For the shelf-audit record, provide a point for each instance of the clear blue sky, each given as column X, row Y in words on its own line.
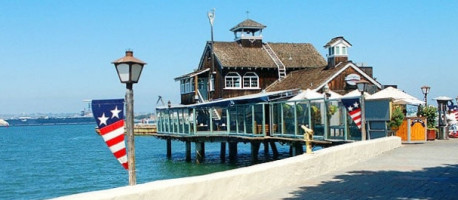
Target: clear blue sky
column 54, row 54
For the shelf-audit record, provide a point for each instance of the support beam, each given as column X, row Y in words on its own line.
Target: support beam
column 266, row 148
column 169, row 148
column 254, row 151
column 232, row 151
column 223, row 152
column 200, row 152
column 188, row 151
column 296, row 149
column 274, row 150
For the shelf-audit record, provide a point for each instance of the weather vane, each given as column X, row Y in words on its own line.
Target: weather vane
column 211, row 16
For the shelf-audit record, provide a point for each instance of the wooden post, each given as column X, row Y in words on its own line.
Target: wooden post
column 232, row 151
column 200, row 152
column 130, row 133
column 169, row 148
column 223, row 152
column 254, row 151
column 274, row 150
column 266, row 148
column 188, row 151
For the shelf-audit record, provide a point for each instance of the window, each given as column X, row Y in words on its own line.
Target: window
column 250, row 80
column 212, row 83
column 182, row 86
column 232, row 80
column 344, row 50
column 337, row 50
column 186, row 88
column 330, row 51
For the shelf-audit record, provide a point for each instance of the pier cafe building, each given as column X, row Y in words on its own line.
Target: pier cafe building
column 250, row 88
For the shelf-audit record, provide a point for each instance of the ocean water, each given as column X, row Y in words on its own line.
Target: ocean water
column 40, row 162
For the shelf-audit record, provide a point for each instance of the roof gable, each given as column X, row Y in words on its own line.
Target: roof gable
column 316, row 78
column 337, row 40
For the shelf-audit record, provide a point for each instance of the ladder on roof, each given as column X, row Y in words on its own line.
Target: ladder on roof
column 281, row 67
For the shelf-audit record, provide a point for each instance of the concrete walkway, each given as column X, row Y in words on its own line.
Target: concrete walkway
column 413, row 171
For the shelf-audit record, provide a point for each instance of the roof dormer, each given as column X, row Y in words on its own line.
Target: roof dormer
column 337, row 51
column 248, row 33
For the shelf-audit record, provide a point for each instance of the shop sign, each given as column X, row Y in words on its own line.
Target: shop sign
column 351, row 79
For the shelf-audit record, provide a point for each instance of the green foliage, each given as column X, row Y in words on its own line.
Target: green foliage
column 396, row 119
column 430, row 113
column 316, row 115
column 332, row 109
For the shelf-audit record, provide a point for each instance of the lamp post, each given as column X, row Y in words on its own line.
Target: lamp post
column 327, row 94
column 456, row 100
column 129, row 70
column 425, row 90
column 361, row 88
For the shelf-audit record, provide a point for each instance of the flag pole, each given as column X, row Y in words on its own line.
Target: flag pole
column 130, row 132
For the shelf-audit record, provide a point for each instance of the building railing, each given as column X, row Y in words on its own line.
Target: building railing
column 327, row 118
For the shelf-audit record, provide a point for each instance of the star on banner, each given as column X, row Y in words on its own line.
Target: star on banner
column 354, row 110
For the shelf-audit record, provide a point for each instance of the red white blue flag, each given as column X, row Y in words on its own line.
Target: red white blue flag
column 454, row 110
column 109, row 116
column 354, row 109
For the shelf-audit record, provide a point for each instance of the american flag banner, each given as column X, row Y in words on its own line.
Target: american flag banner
column 454, row 110
column 109, row 116
column 354, row 109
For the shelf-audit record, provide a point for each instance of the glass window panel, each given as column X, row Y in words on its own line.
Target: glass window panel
column 123, row 72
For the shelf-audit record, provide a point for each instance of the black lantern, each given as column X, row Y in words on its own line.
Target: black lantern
column 129, row 68
column 425, row 90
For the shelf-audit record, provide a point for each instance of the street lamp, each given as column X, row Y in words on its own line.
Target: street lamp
column 326, row 95
column 129, row 70
column 456, row 100
column 361, row 88
column 425, row 90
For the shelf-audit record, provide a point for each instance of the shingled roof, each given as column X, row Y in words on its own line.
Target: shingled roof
column 333, row 40
column 248, row 24
column 305, row 78
column 293, row 55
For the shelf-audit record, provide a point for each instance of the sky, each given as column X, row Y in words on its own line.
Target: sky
column 55, row 54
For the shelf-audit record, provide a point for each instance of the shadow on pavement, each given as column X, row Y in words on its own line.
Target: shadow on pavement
column 429, row 183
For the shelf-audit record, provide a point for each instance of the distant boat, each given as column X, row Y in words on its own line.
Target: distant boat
column 4, row 123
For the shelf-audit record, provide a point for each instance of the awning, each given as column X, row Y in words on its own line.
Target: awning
column 192, row 74
column 247, row 99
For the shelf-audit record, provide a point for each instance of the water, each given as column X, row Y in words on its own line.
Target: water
column 39, row 162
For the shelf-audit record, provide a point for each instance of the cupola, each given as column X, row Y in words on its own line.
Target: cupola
column 248, row 33
column 337, row 51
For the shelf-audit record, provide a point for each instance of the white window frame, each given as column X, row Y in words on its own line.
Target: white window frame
column 252, row 78
column 232, row 77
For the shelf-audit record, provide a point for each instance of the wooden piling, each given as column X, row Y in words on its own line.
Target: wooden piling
column 223, row 152
column 254, row 151
column 169, row 148
column 232, row 151
column 266, row 148
column 200, row 152
column 188, row 151
column 274, row 150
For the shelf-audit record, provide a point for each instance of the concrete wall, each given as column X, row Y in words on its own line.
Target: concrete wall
column 243, row 182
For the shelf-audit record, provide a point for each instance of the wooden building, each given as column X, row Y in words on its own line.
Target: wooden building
column 249, row 65
column 244, row 66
